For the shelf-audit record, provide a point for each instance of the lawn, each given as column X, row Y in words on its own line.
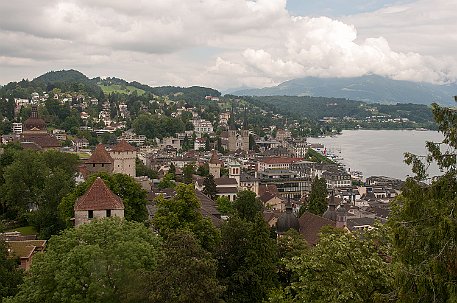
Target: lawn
column 121, row 89
column 25, row 230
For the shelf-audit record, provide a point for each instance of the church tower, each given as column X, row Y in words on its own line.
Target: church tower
column 235, row 171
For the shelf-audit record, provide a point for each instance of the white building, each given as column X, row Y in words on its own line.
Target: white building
column 202, row 126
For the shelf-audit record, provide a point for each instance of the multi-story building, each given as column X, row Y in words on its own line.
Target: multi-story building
column 202, row 126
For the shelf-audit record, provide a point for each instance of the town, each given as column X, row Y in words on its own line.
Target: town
column 187, row 160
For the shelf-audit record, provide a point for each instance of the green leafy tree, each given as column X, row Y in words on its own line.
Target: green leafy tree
column 317, row 203
column 224, row 206
column 167, row 181
column 291, row 244
column 423, row 221
column 34, row 184
column 344, row 267
column 209, row 187
column 247, row 260
column 97, row 262
column 172, row 171
column 143, row 170
column 183, row 212
column 188, row 172
column 203, row 170
column 10, row 276
column 131, row 193
column 247, row 206
column 185, row 272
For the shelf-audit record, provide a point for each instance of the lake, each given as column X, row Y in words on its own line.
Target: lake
column 379, row 152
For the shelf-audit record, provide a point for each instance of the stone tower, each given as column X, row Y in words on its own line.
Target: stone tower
column 215, row 165
column 124, row 158
column 99, row 161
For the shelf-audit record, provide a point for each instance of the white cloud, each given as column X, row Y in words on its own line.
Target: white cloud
column 258, row 43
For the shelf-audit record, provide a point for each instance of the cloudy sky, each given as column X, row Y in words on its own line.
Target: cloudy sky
column 229, row 43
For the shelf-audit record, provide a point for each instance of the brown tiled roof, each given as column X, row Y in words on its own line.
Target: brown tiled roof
column 263, row 188
column 310, row 226
column 99, row 197
column 225, row 181
column 267, row 196
column 31, row 146
column 214, row 158
column 42, row 140
column 100, row 156
column 276, row 160
column 227, row 190
column 36, row 123
column 123, row 146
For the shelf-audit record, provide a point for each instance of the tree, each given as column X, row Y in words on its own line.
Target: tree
column 247, row 260
column 318, row 197
column 291, row 244
column 183, row 212
column 188, row 171
column 344, row 267
column 209, row 186
column 224, row 206
column 131, row 193
column 185, row 272
column 172, row 171
column 10, row 276
column 203, row 170
column 34, row 184
column 167, row 181
column 423, row 221
column 97, row 262
column 143, row 170
column 247, row 206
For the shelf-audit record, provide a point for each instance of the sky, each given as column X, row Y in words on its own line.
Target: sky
column 229, row 43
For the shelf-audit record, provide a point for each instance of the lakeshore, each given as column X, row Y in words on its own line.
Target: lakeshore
column 379, row 152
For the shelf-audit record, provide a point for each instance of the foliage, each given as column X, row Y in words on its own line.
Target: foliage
column 424, row 224
column 34, row 184
column 317, row 157
column 97, row 262
column 143, row 170
column 154, row 126
column 10, row 275
column 317, row 203
column 290, row 244
column 131, row 193
column 203, row 170
column 247, row 260
column 185, row 272
column 209, row 187
column 167, row 181
column 247, row 206
column 188, row 171
column 182, row 212
column 343, row 267
column 224, row 206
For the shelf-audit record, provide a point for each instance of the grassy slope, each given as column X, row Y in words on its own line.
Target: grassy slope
column 115, row 88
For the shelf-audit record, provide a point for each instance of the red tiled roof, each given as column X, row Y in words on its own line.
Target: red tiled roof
column 99, row 197
column 123, row 146
column 276, row 160
column 100, row 156
column 311, row 225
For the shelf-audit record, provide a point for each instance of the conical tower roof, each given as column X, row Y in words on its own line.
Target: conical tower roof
column 99, row 197
column 123, row 146
column 100, row 156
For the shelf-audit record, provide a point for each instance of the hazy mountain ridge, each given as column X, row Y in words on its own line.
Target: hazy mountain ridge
column 370, row 88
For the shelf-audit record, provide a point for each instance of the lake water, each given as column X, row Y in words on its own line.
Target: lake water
column 380, row 152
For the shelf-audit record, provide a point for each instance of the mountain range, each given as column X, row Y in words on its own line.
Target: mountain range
column 370, row 88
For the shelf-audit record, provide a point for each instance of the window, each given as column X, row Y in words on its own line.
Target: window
column 108, row 213
column 90, row 214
